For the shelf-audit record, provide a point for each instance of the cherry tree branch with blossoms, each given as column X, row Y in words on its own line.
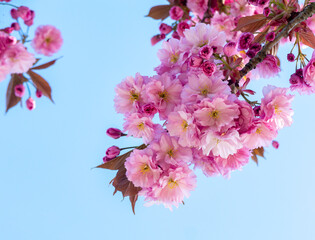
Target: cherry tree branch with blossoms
column 211, row 53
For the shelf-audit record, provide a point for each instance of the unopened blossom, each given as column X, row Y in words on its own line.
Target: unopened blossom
column 206, row 52
column 181, row 27
column 114, row 133
column 112, row 152
column 276, row 106
column 165, row 29
column 245, row 40
column 38, row 93
column 141, row 168
column 140, row 127
column 47, row 40
column 19, row 90
column 181, row 124
column 30, row 104
column 176, row 13
column 168, row 149
column 209, row 68
column 275, row 144
column 270, row 36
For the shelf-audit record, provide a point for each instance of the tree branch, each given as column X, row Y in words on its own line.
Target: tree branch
column 307, row 12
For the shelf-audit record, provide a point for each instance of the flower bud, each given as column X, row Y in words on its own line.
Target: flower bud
column 39, row 93
column 209, row 68
column 112, row 152
column 206, row 52
column 19, row 90
column 114, row 133
column 271, row 36
column 30, row 104
column 275, row 144
column 290, row 57
column 176, row 13
column 15, row 26
column 165, row 29
column 14, row 13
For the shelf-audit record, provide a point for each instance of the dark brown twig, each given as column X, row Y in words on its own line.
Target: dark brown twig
column 307, row 12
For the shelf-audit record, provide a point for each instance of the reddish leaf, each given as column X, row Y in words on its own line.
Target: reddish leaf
column 45, row 65
column 11, row 99
column 41, row 84
column 257, row 152
column 260, row 37
column 307, row 37
column 159, row 12
column 120, row 181
column 251, row 23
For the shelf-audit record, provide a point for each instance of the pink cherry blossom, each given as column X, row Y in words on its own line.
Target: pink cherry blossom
column 141, row 168
column 221, row 144
column 261, row 134
column 276, row 106
column 175, row 185
column 202, row 86
column 181, row 124
column 169, row 150
column 129, row 94
column 139, row 127
column 216, row 113
column 198, row 7
column 47, row 40
column 164, row 92
column 309, row 72
column 18, row 58
column 267, row 68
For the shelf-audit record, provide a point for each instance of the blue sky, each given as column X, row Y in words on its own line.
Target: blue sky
column 48, row 190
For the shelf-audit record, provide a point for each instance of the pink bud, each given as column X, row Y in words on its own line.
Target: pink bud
column 257, row 111
column 106, row 159
column 30, row 104
column 291, row 57
column 209, row 68
column 176, row 13
column 165, row 29
column 206, row 52
column 175, row 35
column 271, row 36
column 8, row 30
column 230, row 49
column 155, row 39
column 112, row 152
column 114, row 133
column 14, row 13
column 23, row 12
column 181, row 27
column 19, row 90
column 15, row 26
column 266, row 11
column 39, row 93
column 195, row 61
column 275, row 144
column 149, row 109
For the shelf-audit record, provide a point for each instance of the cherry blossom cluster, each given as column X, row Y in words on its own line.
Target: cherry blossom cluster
column 195, row 113
column 15, row 57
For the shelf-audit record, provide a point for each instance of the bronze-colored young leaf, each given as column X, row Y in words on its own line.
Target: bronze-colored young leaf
column 120, row 181
column 251, row 23
column 273, row 51
column 260, row 37
column 307, row 37
column 159, row 12
column 257, row 152
column 41, row 84
column 45, row 65
column 11, row 99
